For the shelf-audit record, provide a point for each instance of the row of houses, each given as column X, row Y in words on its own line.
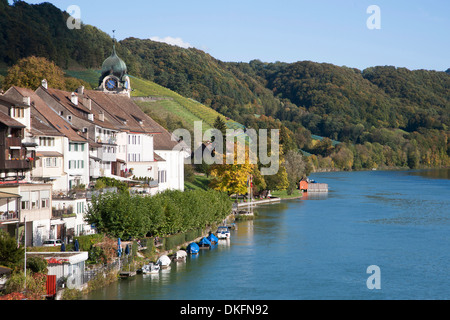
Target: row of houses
column 54, row 144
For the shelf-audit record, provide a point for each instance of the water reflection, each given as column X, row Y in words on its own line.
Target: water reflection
column 320, row 249
column 314, row 196
column 431, row 173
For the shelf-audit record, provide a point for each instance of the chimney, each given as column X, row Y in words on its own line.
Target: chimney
column 87, row 102
column 101, row 116
column 80, row 90
column 27, row 100
column 44, row 83
column 74, row 98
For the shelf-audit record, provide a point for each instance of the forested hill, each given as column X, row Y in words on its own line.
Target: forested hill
column 386, row 116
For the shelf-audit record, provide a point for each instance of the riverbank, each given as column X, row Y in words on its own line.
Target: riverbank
column 390, row 230
column 134, row 263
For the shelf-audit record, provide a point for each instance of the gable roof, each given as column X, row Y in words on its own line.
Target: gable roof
column 11, row 101
column 10, row 122
column 123, row 107
column 64, row 99
column 124, row 111
column 50, row 115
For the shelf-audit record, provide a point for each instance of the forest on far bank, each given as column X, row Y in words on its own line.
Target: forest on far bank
column 338, row 117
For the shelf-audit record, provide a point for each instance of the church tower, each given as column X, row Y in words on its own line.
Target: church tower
column 114, row 78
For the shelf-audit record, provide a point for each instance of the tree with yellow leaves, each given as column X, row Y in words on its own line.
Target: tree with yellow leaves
column 29, row 72
column 232, row 177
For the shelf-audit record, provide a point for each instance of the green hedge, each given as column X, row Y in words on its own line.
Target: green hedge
column 168, row 213
column 86, row 242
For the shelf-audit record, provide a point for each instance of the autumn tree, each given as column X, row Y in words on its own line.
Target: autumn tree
column 343, row 158
column 232, row 178
column 29, row 73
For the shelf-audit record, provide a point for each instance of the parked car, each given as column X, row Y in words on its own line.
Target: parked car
column 52, row 243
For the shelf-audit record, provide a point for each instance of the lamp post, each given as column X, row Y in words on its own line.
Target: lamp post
column 25, row 246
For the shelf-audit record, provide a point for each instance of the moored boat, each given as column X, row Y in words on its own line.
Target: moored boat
column 163, row 261
column 180, row 255
column 150, row 268
column 204, row 243
column 223, row 232
column 192, row 248
column 212, row 238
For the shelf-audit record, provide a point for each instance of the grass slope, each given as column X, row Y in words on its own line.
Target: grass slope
column 172, row 104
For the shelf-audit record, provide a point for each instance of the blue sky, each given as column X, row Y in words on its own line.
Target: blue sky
column 413, row 34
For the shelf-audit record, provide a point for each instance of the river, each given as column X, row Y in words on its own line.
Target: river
column 322, row 247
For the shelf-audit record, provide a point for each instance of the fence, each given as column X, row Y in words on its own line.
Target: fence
column 90, row 274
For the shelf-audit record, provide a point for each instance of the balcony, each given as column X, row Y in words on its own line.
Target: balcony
column 9, row 216
column 13, row 142
column 107, row 156
column 11, row 165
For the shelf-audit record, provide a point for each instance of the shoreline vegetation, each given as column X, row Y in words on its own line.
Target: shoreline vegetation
column 148, row 247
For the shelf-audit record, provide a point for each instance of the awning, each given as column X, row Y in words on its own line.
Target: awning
column 29, row 145
column 48, row 154
column 95, row 158
column 5, row 195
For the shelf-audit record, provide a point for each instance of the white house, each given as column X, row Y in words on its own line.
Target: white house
column 64, row 152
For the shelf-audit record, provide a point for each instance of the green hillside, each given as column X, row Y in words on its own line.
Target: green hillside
column 383, row 116
column 169, row 108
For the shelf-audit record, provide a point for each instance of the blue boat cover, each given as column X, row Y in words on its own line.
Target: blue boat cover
column 192, row 248
column 212, row 237
column 204, row 241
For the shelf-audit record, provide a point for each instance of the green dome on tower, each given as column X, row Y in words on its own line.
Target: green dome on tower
column 113, row 65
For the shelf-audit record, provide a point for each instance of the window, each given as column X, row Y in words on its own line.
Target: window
column 51, row 162
column 162, row 176
column 25, row 202
column 46, row 142
column 76, row 147
column 34, row 199
column 76, row 164
column 17, row 112
column 80, row 207
column 45, row 199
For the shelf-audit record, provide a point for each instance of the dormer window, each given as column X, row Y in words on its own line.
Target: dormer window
column 122, row 119
column 139, row 120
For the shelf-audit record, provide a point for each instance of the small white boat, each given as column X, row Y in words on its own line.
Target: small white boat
column 163, row 261
column 150, row 268
column 180, row 255
column 223, row 232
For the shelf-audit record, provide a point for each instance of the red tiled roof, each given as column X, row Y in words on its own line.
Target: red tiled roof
column 50, row 115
